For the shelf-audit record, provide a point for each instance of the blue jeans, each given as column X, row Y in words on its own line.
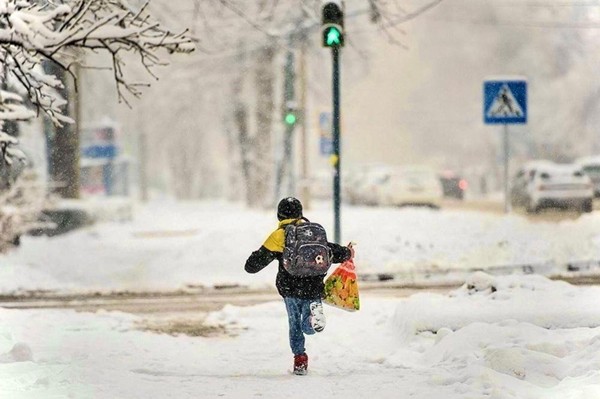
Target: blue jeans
column 298, row 311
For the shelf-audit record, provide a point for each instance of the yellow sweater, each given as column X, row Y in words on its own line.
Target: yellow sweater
column 276, row 240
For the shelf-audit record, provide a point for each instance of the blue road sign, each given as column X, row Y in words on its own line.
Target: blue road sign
column 100, row 151
column 505, row 101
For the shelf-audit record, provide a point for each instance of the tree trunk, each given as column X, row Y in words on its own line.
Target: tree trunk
column 265, row 96
column 64, row 142
column 256, row 149
column 245, row 143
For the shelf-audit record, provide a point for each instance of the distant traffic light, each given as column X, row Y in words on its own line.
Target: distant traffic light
column 290, row 118
column 332, row 23
column 290, row 113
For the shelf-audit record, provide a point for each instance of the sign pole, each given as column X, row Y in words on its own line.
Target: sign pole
column 506, row 170
column 335, row 51
column 505, row 102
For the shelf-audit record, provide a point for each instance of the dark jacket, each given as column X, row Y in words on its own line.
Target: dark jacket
column 310, row 287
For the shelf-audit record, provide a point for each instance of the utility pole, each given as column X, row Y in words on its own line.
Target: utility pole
column 290, row 118
column 143, row 162
column 142, row 139
column 305, row 188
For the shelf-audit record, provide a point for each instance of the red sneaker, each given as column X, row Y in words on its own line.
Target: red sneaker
column 301, row 364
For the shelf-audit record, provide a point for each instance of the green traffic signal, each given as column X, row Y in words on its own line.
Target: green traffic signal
column 332, row 23
column 333, row 37
column 290, row 118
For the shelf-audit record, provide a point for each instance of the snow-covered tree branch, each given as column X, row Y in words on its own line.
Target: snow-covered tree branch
column 33, row 32
column 42, row 41
column 11, row 109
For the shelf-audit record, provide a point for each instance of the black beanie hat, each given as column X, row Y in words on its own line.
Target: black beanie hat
column 289, row 208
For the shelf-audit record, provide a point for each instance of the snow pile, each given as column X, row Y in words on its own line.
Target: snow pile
column 484, row 298
column 504, row 337
column 511, row 359
column 20, row 352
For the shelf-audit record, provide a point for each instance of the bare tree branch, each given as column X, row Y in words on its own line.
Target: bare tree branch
column 32, row 32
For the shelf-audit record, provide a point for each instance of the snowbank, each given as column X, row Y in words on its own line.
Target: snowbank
column 484, row 298
column 521, row 337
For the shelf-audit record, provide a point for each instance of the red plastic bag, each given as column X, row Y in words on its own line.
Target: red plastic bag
column 341, row 288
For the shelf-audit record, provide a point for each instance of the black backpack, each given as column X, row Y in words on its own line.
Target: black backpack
column 306, row 252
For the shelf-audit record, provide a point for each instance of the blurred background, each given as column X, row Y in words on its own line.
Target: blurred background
column 211, row 125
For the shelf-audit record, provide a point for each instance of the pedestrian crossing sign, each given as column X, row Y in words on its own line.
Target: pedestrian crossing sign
column 505, row 101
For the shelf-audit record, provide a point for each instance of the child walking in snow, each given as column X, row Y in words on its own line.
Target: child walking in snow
column 301, row 294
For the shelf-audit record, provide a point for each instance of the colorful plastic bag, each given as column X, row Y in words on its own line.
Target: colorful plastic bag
column 341, row 288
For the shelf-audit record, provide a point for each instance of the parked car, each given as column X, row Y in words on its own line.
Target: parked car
column 519, row 194
column 453, row 186
column 591, row 167
column 411, row 185
column 559, row 185
column 362, row 186
column 371, row 185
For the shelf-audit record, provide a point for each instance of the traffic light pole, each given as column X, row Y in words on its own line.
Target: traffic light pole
column 332, row 23
column 335, row 52
column 287, row 162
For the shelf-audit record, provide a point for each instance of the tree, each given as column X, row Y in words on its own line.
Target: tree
column 33, row 33
column 42, row 42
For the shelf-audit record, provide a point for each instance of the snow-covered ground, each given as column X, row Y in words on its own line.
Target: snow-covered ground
column 504, row 337
column 498, row 337
column 170, row 245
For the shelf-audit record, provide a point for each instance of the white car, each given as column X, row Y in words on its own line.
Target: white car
column 591, row 167
column 559, row 185
column 369, row 188
column 411, row 185
column 362, row 186
column 520, row 183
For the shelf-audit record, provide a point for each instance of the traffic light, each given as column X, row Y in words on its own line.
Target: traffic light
column 290, row 114
column 290, row 117
column 332, row 23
